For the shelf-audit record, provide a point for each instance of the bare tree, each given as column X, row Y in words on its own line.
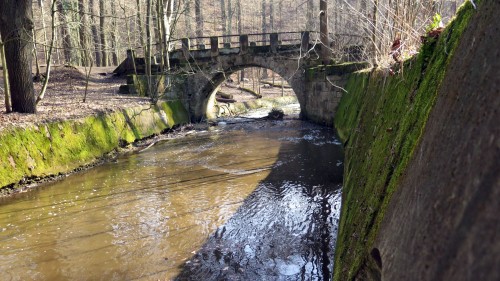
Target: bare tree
column 64, row 31
column 102, row 25
column 84, row 44
column 199, row 19
column 95, row 33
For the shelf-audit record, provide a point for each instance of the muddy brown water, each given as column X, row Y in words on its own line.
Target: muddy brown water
column 253, row 201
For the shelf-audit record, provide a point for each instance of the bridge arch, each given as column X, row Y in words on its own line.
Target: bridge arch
column 206, row 83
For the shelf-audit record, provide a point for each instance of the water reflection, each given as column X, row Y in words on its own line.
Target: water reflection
column 144, row 216
column 286, row 229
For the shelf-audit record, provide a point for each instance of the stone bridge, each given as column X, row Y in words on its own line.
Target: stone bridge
column 200, row 70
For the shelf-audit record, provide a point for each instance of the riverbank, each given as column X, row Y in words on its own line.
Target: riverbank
column 35, row 151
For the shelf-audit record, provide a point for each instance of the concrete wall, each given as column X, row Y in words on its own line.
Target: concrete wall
column 43, row 150
column 421, row 184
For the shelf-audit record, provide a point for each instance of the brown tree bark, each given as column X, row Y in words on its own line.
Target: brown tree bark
column 82, row 8
column 95, row 33
column 16, row 28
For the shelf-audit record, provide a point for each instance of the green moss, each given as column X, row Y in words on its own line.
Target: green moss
column 48, row 149
column 381, row 121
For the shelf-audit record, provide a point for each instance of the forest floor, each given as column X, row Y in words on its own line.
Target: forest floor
column 64, row 97
column 65, row 92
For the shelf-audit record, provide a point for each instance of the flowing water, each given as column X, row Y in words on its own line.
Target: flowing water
column 248, row 201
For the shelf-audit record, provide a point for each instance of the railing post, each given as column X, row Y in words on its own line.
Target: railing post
column 274, row 42
column 304, row 46
column 214, row 46
column 243, row 44
column 185, row 47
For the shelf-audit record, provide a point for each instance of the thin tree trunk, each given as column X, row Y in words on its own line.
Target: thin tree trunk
column 264, row 39
column 199, row 20
column 37, row 65
column 16, row 25
column 187, row 18
column 40, row 3
column 240, row 31
column 323, row 25
column 230, row 17
column 374, row 32
column 114, row 37
column 139, row 25
column 64, row 31
column 310, row 15
column 41, row 95
column 271, row 15
column 264, row 23
column 240, row 24
column 148, row 51
column 160, row 21
column 83, row 32
column 223, row 19
column 102, row 24
column 168, row 14
column 95, row 33
column 6, row 92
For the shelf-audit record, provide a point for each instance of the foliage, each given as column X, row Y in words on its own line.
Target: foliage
column 436, row 22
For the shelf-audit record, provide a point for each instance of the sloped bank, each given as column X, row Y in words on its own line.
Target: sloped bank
column 382, row 121
column 42, row 150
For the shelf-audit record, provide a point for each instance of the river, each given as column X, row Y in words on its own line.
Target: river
column 246, row 201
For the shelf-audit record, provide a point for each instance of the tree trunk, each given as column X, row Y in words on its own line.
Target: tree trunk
column 264, row 23
column 238, row 8
column 83, row 32
column 16, row 28
column 40, row 3
column 102, row 24
column 8, row 107
column 230, row 17
column 310, row 15
column 271, row 15
column 187, row 18
column 223, row 19
column 64, row 31
column 139, row 24
column 240, row 31
column 114, row 32
column 374, row 32
column 148, row 51
column 95, row 33
column 168, row 16
column 323, row 26
column 199, row 20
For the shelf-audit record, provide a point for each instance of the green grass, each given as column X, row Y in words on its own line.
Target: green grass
column 381, row 120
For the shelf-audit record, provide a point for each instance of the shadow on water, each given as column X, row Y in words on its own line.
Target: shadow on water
column 286, row 229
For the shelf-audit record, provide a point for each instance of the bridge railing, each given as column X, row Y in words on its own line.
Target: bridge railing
column 238, row 41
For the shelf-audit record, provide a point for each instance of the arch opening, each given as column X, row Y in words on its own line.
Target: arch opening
column 239, row 90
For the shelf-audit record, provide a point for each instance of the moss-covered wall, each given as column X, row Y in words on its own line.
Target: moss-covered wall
column 381, row 120
column 48, row 149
